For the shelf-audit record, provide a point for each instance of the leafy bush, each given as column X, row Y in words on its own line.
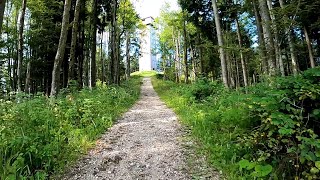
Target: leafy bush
column 39, row 136
column 288, row 136
column 272, row 131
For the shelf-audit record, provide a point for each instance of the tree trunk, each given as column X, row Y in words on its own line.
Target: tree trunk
column 193, row 62
column 177, row 58
column 117, row 60
column 103, row 66
column 185, row 53
column 61, row 49
column 278, row 58
column 2, row 7
column 128, row 55
column 243, row 64
column 220, row 43
column 113, row 37
column 28, row 78
column 262, row 46
column 266, row 25
column 75, row 25
column 93, row 65
column 310, row 50
column 200, row 54
column 20, row 44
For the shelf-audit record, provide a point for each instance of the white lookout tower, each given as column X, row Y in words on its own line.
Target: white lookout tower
column 148, row 60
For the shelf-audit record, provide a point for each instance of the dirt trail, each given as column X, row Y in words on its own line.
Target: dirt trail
column 144, row 144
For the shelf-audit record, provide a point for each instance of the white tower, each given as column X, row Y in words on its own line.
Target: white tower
column 148, row 60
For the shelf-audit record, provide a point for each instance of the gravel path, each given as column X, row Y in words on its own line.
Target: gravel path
column 144, row 144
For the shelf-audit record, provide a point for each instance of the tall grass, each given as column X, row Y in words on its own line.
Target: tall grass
column 39, row 137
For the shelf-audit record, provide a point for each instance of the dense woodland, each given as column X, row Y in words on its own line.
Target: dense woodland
column 244, row 68
column 49, row 45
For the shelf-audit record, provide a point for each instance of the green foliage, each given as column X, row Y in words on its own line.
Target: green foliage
column 39, row 137
column 270, row 132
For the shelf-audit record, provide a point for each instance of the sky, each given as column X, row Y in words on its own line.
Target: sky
column 146, row 8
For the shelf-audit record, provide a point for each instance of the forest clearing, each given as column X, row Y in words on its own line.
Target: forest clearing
column 197, row 89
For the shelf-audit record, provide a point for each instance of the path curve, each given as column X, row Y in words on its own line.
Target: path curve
column 144, row 144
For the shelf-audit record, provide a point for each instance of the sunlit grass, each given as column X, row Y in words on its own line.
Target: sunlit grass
column 144, row 73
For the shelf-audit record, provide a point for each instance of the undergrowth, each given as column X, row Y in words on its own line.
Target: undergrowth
column 272, row 131
column 39, row 137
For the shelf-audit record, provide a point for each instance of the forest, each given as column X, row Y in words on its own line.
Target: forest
column 243, row 75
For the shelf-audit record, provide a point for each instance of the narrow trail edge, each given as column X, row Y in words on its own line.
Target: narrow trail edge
column 145, row 143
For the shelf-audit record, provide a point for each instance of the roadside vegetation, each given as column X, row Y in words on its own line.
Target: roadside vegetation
column 272, row 131
column 40, row 136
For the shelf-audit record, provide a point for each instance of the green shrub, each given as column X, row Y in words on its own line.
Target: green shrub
column 272, row 131
column 39, row 137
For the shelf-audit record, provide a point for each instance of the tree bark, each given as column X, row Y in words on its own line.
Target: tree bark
column 128, row 55
column 279, row 62
column 113, row 39
column 55, row 84
column 93, row 65
column 177, row 58
column 266, row 25
column 28, row 78
column 75, row 25
column 20, row 44
column 262, row 46
column 220, row 43
column 310, row 50
column 2, row 8
column 243, row 64
column 185, row 53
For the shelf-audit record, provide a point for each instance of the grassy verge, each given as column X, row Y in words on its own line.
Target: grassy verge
column 215, row 138
column 38, row 138
column 270, row 132
column 144, row 73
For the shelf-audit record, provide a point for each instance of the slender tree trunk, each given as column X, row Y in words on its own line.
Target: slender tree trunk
column 243, row 64
column 128, row 54
column 310, row 50
column 117, row 62
column 75, row 25
column 177, row 59
column 61, row 50
column 27, row 88
column 2, row 7
column 103, row 68
column 20, row 44
column 93, row 65
column 279, row 62
column 266, row 25
column 193, row 62
column 113, row 51
column 262, row 46
column 220, row 43
column 185, row 53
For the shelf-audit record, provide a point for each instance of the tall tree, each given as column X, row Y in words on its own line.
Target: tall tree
column 262, row 46
column 75, row 24
column 268, row 36
column 2, row 8
column 55, row 84
column 92, row 64
column 220, row 43
column 20, row 42
column 243, row 64
column 185, row 52
column 128, row 43
column 294, row 60
column 310, row 50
